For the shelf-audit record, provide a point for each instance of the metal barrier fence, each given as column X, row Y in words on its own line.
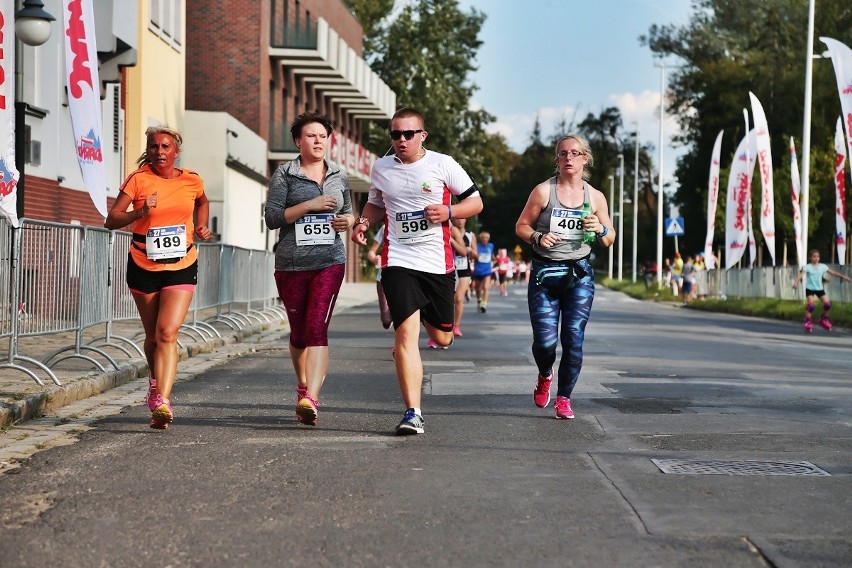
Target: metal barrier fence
column 769, row 282
column 64, row 280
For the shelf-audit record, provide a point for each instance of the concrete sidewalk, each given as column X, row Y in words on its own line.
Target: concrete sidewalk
column 22, row 398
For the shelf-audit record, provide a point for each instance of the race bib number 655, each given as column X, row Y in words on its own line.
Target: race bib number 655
column 315, row 230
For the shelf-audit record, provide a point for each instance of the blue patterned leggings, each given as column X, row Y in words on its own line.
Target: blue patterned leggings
column 560, row 289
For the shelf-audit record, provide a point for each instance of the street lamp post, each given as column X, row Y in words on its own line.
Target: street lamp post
column 635, row 199
column 611, row 200
column 806, row 128
column 32, row 27
column 662, row 67
column 620, row 215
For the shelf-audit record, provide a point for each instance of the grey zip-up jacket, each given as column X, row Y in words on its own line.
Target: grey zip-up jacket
column 288, row 187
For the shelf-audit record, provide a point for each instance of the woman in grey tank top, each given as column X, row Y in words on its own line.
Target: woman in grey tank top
column 562, row 280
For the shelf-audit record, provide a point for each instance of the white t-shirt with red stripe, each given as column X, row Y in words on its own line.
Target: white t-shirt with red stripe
column 404, row 191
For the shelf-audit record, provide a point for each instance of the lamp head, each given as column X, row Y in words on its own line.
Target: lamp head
column 32, row 23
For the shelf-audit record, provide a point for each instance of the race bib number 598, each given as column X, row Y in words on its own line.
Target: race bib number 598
column 413, row 227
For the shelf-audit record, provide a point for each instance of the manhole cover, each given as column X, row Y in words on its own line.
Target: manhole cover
column 738, row 467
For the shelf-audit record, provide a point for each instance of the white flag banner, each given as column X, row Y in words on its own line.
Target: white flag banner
column 840, row 192
column 764, row 162
column 712, row 200
column 8, row 172
column 797, row 209
column 738, row 203
column 84, row 96
column 841, row 58
column 751, row 152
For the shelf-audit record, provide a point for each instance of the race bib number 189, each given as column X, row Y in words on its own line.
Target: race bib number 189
column 413, row 227
column 166, row 242
column 315, row 230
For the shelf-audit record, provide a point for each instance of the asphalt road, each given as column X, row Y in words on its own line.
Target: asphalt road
column 494, row 481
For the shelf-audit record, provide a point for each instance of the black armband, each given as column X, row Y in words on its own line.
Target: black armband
column 470, row 191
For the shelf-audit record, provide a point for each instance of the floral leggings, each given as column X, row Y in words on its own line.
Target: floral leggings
column 566, row 290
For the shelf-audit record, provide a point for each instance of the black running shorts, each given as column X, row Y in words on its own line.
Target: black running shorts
column 410, row 290
column 141, row 281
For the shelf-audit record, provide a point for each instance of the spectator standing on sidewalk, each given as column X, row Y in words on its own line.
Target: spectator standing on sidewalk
column 412, row 193
column 309, row 201
column 814, row 274
column 169, row 208
column 562, row 280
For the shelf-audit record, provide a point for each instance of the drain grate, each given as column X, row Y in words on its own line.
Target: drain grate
column 737, row 467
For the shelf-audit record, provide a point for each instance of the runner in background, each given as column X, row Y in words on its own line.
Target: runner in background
column 483, row 269
column 375, row 259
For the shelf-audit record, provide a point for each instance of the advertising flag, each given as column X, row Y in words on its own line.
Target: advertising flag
column 764, row 162
column 750, row 152
column 712, row 200
column 840, row 187
column 738, row 201
column 8, row 172
column 797, row 209
column 84, row 96
column 841, row 58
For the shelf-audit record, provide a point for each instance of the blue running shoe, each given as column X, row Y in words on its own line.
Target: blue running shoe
column 411, row 424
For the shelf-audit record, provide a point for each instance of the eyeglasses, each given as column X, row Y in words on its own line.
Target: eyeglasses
column 407, row 134
column 570, row 154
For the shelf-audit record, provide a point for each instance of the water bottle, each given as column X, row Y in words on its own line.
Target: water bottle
column 589, row 237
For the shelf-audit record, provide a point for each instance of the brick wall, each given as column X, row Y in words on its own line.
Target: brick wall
column 45, row 200
column 227, row 60
column 339, row 18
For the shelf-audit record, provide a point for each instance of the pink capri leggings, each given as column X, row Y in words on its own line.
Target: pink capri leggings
column 309, row 297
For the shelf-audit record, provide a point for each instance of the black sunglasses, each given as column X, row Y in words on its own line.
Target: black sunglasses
column 407, row 134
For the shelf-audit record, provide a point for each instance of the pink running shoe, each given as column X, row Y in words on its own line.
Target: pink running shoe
column 541, row 394
column 823, row 321
column 306, row 410
column 432, row 345
column 563, row 408
column 162, row 414
column 151, row 395
column 457, row 331
column 301, row 392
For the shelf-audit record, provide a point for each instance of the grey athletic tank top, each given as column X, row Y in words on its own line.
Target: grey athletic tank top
column 573, row 249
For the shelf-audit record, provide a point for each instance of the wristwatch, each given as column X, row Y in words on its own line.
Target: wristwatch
column 603, row 233
column 362, row 221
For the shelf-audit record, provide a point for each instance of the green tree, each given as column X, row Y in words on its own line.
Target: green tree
column 426, row 53
column 731, row 47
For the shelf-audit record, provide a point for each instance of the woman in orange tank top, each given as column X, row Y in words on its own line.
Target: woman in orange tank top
column 161, row 201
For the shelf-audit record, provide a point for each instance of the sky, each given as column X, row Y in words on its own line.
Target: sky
column 555, row 58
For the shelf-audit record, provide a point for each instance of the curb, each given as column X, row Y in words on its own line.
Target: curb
column 53, row 397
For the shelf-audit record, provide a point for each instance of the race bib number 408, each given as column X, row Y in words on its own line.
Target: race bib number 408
column 413, row 227
column 315, row 230
column 567, row 223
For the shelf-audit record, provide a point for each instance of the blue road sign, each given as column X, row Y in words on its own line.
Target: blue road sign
column 674, row 227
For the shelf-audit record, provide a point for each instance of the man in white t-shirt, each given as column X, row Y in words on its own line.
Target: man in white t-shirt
column 412, row 193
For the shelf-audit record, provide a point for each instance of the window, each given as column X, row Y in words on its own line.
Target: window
column 166, row 20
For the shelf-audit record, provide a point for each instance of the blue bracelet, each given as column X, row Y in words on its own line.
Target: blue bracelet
column 603, row 233
column 449, row 212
